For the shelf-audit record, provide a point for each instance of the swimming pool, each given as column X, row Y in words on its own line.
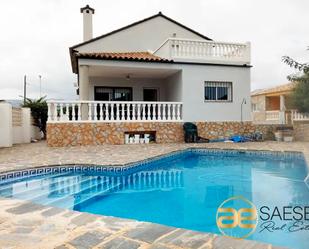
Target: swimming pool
column 183, row 189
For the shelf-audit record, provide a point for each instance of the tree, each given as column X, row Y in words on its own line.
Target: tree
column 39, row 111
column 300, row 94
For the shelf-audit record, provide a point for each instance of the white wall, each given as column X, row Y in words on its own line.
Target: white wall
column 174, row 87
column 143, row 37
column 196, row 109
column 22, row 134
column 14, row 134
column 6, row 135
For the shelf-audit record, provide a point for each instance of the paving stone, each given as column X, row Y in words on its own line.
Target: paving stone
column 2, row 220
column 116, row 224
column 83, row 219
column 184, row 238
column 120, row 243
column 25, row 208
column 148, row 232
column 52, row 211
column 221, row 242
column 89, row 239
column 158, row 246
column 29, row 222
column 23, row 230
column 62, row 247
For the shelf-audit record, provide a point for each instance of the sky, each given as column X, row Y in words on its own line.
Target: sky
column 36, row 36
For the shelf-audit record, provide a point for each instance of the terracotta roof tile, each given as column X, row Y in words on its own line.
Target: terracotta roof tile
column 131, row 56
column 282, row 88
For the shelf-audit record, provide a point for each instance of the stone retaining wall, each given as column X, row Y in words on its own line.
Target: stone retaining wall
column 72, row 134
column 301, row 131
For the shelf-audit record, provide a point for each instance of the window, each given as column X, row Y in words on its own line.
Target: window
column 254, row 107
column 218, row 91
column 113, row 93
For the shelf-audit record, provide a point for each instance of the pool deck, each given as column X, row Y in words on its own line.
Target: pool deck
column 27, row 225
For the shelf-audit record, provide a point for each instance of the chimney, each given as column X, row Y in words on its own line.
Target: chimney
column 87, row 12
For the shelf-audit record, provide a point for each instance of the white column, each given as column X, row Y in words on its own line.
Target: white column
column 282, row 110
column 84, row 89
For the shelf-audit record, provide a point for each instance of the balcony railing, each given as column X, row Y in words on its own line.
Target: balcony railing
column 298, row 116
column 272, row 115
column 113, row 111
column 185, row 49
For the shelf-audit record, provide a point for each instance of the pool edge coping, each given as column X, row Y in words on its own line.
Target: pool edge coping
column 135, row 164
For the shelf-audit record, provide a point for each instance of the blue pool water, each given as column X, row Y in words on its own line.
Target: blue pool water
column 182, row 191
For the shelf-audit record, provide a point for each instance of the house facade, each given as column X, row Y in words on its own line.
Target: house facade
column 152, row 75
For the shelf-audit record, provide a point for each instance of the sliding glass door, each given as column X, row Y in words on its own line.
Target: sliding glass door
column 112, row 93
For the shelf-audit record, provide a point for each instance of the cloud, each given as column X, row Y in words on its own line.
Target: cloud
column 36, row 35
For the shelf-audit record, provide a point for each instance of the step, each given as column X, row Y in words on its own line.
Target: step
column 47, row 196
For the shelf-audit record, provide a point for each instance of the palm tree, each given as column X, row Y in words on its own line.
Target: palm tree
column 39, row 111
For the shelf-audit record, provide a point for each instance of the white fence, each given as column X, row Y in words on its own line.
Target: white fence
column 295, row 115
column 113, row 111
column 174, row 48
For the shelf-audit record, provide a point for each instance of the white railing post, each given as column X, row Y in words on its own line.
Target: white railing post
column 79, row 111
column 138, row 112
column 61, row 112
column 168, row 111
column 133, row 112
column 106, row 112
column 117, row 112
column 73, row 112
column 159, row 111
column 49, row 113
column 173, row 112
column 67, row 111
column 178, row 112
column 163, row 112
column 112, row 111
column 101, row 114
column 95, row 117
column 143, row 110
column 123, row 106
column 89, row 111
column 148, row 107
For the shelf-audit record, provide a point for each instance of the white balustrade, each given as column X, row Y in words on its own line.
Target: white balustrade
column 298, row 116
column 177, row 48
column 272, row 115
column 113, row 111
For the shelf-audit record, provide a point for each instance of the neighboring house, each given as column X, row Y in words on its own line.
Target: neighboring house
column 273, row 106
column 154, row 72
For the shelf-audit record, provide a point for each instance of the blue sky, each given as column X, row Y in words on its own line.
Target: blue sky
column 35, row 35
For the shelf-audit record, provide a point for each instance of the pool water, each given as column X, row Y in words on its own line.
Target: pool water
column 182, row 191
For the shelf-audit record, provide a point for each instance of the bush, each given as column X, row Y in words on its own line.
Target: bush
column 39, row 112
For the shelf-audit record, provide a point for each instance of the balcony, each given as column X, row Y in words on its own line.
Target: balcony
column 113, row 111
column 285, row 117
column 186, row 50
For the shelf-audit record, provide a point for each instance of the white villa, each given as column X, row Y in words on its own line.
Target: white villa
column 151, row 75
